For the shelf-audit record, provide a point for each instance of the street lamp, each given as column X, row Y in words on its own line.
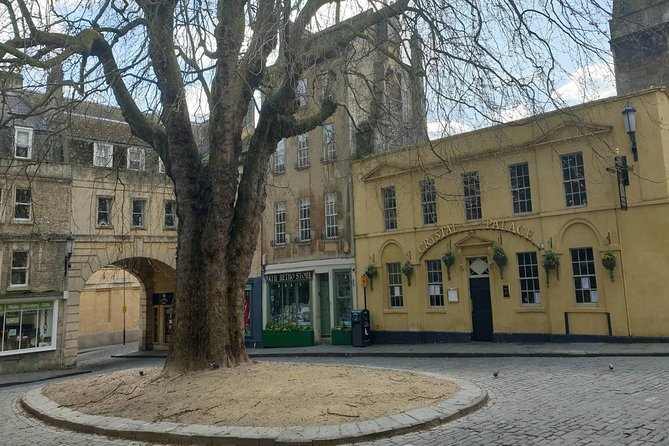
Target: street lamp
column 629, row 117
column 69, row 246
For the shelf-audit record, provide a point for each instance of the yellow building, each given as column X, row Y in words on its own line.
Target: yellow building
column 524, row 194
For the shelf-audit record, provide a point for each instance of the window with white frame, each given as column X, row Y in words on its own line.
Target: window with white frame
column 325, row 86
column 23, row 142
column 104, row 212
column 280, row 223
column 19, row 270
column 395, row 284
column 583, row 271
column 389, row 208
column 528, row 273
column 161, row 165
column 329, row 146
column 170, row 214
column 22, row 203
column 138, row 213
column 472, row 191
column 428, row 198
column 303, row 151
column 331, row 227
column 103, row 154
column 435, row 285
column 301, row 92
column 305, row 219
column 573, row 175
column 28, row 325
column 520, row 188
column 280, row 157
column 135, row 158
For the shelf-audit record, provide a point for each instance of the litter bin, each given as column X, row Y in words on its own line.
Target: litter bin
column 361, row 329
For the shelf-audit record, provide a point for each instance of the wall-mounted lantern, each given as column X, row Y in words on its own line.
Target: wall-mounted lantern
column 629, row 117
column 69, row 247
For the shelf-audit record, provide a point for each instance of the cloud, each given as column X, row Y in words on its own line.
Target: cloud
column 444, row 128
column 589, row 83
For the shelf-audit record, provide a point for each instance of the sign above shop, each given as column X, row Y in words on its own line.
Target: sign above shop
column 491, row 224
column 289, row 277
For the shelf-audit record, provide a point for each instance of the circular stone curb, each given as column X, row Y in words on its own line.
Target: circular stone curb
column 467, row 399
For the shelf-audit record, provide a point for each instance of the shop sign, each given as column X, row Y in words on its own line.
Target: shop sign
column 289, row 277
column 493, row 224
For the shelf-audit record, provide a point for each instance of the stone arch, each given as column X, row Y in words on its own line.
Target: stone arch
column 572, row 226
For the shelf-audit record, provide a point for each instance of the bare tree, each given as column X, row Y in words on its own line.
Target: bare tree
column 465, row 58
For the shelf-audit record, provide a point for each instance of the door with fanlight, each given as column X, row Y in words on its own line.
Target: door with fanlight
column 479, row 290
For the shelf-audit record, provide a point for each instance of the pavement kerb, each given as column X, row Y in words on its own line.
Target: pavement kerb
column 467, row 399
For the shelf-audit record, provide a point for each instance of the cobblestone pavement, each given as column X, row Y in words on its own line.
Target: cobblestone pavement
column 533, row 401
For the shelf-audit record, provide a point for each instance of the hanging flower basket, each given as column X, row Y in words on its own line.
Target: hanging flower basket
column 609, row 261
column 500, row 258
column 449, row 259
column 551, row 262
column 370, row 272
column 407, row 270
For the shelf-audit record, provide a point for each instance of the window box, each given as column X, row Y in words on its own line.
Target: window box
column 341, row 337
column 302, row 338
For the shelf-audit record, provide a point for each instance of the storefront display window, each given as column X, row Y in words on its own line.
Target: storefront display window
column 27, row 325
column 290, row 300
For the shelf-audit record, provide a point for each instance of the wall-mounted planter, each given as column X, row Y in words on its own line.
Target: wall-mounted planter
column 287, row 338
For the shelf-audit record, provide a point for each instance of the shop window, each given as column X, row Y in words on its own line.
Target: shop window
column 344, row 301
column 23, row 142
column 520, row 188
column 428, row 198
column 472, row 192
column 22, row 204
column 135, row 158
column 280, row 158
column 389, row 208
column 435, row 286
column 528, row 272
column 303, row 151
column 104, row 212
column 103, row 154
column 290, row 303
column 305, row 219
column 395, row 285
column 27, row 326
column 170, row 214
column 19, row 270
column 573, row 175
column 280, row 223
column 331, row 227
column 329, row 147
column 138, row 213
column 583, row 270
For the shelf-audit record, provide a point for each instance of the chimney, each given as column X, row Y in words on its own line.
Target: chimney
column 11, row 81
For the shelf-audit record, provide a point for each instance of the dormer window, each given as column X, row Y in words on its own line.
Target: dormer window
column 135, row 158
column 23, row 142
column 103, row 154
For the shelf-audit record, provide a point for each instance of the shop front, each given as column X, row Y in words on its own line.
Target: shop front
column 28, row 327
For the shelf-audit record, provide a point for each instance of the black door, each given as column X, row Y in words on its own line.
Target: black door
column 479, row 287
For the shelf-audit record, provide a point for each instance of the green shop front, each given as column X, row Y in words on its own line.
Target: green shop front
column 307, row 307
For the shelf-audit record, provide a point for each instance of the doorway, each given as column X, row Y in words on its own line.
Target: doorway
column 162, row 320
column 479, row 289
column 324, row 296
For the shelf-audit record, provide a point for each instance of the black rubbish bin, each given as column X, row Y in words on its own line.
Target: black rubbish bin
column 361, row 328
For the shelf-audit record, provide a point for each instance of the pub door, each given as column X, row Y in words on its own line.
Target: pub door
column 479, row 289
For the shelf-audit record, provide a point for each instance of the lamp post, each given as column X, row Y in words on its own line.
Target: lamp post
column 629, row 117
column 69, row 246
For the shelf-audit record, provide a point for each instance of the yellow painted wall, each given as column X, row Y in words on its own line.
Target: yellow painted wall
column 636, row 301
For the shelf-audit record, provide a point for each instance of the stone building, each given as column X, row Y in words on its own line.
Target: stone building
column 73, row 175
column 534, row 230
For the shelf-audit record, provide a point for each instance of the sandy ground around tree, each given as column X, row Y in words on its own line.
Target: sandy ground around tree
column 257, row 394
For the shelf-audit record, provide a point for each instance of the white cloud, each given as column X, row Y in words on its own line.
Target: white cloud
column 444, row 128
column 589, row 83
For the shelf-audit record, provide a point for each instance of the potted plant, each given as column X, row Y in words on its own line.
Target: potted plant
column 370, row 272
column 500, row 258
column 551, row 262
column 407, row 270
column 609, row 261
column 341, row 334
column 449, row 259
column 286, row 334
